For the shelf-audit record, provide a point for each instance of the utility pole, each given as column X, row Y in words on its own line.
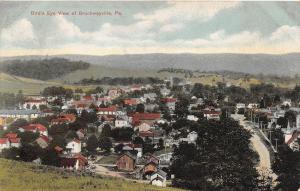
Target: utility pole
column 276, row 144
column 270, row 136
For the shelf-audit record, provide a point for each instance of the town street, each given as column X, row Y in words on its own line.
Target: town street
column 264, row 165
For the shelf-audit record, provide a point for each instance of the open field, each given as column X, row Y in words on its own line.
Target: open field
column 12, row 84
column 20, row 176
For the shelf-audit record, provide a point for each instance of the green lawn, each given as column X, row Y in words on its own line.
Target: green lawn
column 20, row 176
column 110, row 159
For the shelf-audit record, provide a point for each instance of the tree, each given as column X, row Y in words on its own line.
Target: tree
column 181, row 107
column 161, row 144
column 11, row 153
column 105, row 143
column 138, row 141
column 140, row 108
column 92, row 143
column 227, row 145
column 50, row 157
column 286, row 165
column 28, row 137
column 106, row 131
column 119, row 148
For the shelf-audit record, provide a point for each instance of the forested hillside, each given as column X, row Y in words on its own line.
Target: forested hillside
column 43, row 69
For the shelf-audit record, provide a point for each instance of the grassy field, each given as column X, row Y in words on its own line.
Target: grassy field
column 10, row 83
column 20, row 176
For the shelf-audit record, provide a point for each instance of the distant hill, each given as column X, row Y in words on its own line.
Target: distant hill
column 42, row 69
column 285, row 64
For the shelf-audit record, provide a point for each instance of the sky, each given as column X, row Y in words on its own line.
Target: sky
column 148, row 27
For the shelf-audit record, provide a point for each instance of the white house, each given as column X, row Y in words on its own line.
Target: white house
column 4, row 144
column 74, row 146
column 159, row 178
column 17, row 114
column 132, row 147
column 121, row 123
column 192, row 136
column 192, row 118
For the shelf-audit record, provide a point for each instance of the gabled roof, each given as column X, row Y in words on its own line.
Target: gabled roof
column 15, row 140
column 161, row 173
column 11, row 135
column 37, row 127
column 128, row 154
column 293, row 138
column 3, row 140
column 45, row 138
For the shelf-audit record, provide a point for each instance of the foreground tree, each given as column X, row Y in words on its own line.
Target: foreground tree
column 221, row 159
column 92, row 143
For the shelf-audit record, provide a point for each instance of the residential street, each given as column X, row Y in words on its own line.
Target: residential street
column 258, row 145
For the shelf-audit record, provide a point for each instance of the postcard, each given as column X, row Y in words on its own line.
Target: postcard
column 149, row 95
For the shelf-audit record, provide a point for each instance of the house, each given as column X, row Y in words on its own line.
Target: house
column 130, row 102
column 4, row 144
column 143, row 127
column 126, row 162
column 192, row 118
column 106, row 111
column 35, row 128
column 34, row 103
column 150, row 168
column 114, row 93
column 74, row 146
column 192, row 136
column 287, row 102
column 149, row 118
column 212, row 114
column 19, row 114
column 152, row 158
column 121, row 123
column 170, row 102
column 80, row 133
column 64, row 118
column 73, row 161
column 150, row 96
column 2, row 121
column 159, row 178
column 134, row 147
column 164, row 91
column 291, row 139
column 13, row 140
column 43, row 141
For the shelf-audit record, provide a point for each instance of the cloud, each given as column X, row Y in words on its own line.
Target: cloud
column 186, row 11
column 20, row 33
column 286, row 33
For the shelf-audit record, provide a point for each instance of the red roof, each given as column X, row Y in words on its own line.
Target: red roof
column 15, row 140
column 88, row 97
column 34, row 101
column 108, row 109
column 69, row 117
column 11, row 135
column 130, row 101
column 3, row 140
column 133, row 145
column 211, row 112
column 137, row 117
column 168, row 100
column 146, row 134
column 45, row 138
column 59, row 120
column 294, row 137
column 33, row 127
column 58, row 148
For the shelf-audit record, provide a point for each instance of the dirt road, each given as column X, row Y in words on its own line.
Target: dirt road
column 264, row 165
